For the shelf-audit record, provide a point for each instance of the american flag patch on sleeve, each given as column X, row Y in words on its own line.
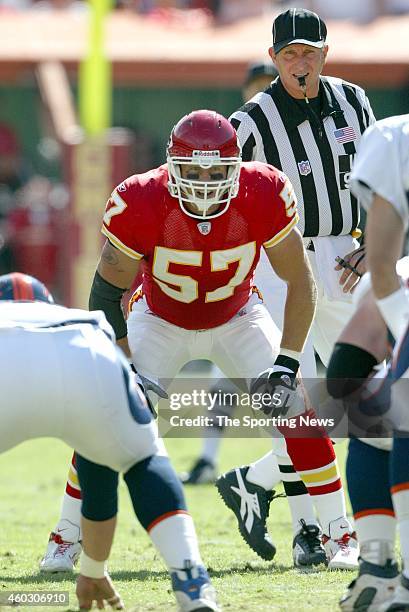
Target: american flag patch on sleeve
column 345, row 134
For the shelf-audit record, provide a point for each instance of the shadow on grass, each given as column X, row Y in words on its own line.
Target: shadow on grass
column 149, row 575
column 39, row 578
column 261, row 570
column 242, row 569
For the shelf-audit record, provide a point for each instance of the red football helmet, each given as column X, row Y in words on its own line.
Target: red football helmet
column 204, row 139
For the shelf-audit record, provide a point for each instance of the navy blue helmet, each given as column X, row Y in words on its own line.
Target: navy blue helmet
column 22, row 287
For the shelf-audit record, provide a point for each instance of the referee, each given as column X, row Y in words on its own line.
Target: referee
column 308, row 126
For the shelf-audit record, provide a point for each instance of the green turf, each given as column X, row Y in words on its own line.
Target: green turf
column 32, row 478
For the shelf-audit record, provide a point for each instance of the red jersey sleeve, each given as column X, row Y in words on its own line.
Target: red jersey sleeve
column 127, row 222
column 279, row 206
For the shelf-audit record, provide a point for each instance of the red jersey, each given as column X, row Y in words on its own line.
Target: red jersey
column 198, row 274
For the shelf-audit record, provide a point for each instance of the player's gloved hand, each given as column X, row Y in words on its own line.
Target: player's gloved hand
column 146, row 385
column 99, row 590
column 280, row 383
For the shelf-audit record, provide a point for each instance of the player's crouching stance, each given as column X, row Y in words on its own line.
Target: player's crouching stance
column 378, row 468
column 196, row 227
column 84, row 393
column 362, row 345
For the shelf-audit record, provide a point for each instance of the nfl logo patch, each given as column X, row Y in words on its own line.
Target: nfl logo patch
column 204, row 227
column 121, row 187
column 304, row 167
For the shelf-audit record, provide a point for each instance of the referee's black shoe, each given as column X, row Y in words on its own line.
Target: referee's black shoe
column 202, row 472
column 251, row 504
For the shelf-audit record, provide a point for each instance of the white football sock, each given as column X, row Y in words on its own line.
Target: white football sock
column 265, row 472
column 175, row 539
column 71, row 512
column 329, row 507
column 400, row 501
column 376, row 537
column 301, row 507
column 211, row 444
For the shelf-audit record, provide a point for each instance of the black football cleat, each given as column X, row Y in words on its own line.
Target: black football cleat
column 251, row 504
column 307, row 546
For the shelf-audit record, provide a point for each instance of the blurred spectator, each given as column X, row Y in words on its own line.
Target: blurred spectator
column 57, row 5
column 192, row 14
column 211, row 6
column 180, row 13
column 10, row 163
column 147, row 6
column 125, row 4
column 15, row 5
column 397, row 7
column 35, row 230
column 11, row 180
column 233, row 10
column 363, row 11
column 31, row 212
column 259, row 76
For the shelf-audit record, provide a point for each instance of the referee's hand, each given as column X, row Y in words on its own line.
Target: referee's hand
column 354, row 266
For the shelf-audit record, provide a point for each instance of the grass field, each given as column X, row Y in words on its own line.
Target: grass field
column 32, row 478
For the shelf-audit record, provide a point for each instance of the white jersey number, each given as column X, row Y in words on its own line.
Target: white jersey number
column 184, row 288
column 117, row 207
column 289, row 198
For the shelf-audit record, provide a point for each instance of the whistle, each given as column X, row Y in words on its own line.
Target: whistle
column 303, row 85
column 301, row 82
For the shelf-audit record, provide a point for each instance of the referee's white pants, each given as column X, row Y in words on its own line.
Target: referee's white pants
column 330, row 318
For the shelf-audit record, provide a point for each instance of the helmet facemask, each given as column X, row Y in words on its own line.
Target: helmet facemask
column 204, row 195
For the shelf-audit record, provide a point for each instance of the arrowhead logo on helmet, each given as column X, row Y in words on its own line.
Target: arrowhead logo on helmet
column 201, row 142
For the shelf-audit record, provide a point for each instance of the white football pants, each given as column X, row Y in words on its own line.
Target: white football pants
column 241, row 348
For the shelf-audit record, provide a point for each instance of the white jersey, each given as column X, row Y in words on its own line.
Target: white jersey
column 40, row 315
column 62, row 376
column 382, row 165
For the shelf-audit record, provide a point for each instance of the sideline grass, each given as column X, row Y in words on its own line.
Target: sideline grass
column 32, row 479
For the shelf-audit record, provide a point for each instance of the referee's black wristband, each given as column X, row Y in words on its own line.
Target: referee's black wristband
column 107, row 297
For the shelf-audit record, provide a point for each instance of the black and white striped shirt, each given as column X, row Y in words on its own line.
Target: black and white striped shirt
column 275, row 128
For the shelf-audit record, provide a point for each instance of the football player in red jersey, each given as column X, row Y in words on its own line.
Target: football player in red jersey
column 196, row 225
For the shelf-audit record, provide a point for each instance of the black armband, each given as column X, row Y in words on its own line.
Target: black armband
column 107, row 297
column 348, row 367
